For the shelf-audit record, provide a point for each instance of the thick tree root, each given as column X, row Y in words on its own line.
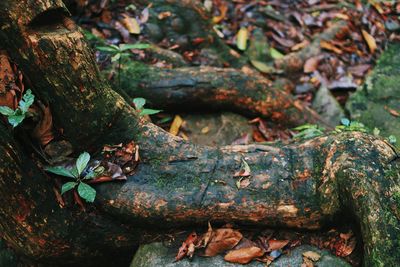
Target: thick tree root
column 209, row 88
column 299, row 185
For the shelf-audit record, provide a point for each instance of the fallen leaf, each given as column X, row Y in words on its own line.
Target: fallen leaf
column 370, row 41
column 344, row 249
column 243, row 182
column 243, row 255
column 263, row 67
column 244, row 170
column 311, row 64
column 329, row 46
column 314, row 256
column 223, row 8
column 223, row 239
column 176, row 125
column 274, row 244
column 164, row 15
column 242, row 37
column 205, row 239
column 131, row 24
column 275, row 54
column 43, row 130
column 187, row 248
column 205, row 130
column 393, row 112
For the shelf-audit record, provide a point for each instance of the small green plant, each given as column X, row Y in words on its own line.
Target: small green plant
column 307, row 131
column 348, row 125
column 139, row 106
column 119, row 52
column 80, row 175
column 15, row 117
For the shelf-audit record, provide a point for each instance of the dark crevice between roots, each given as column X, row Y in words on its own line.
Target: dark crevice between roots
column 52, row 20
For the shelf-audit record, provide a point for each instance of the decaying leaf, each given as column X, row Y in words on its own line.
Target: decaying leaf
column 370, row 40
column 274, row 244
column 222, row 240
column 188, row 247
column 331, row 47
column 314, row 256
column 164, row 15
column 244, row 255
column 176, row 125
column 244, row 170
column 43, row 130
column 243, row 182
column 205, row 239
column 223, row 8
column 311, row 64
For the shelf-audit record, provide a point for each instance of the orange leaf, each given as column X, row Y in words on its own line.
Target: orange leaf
column 370, row 41
column 244, row 255
column 223, row 239
column 328, row 46
column 130, row 24
column 276, row 244
column 176, row 124
column 393, row 112
column 311, row 64
column 222, row 11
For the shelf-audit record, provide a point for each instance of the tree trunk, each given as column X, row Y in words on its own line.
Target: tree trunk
column 301, row 185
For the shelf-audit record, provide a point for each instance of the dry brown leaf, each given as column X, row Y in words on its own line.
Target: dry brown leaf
column 205, row 239
column 346, row 248
column 43, row 130
column 276, row 244
column 243, row 182
column 370, row 41
column 311, row 64
column 176, row 125
column 314, row 256
column 244, row 255
column 329, row 46
column 307, row 262
column 223, row 239
column 188, row 247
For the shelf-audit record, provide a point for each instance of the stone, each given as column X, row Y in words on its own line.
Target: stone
column 377, row 102
column 158, row 254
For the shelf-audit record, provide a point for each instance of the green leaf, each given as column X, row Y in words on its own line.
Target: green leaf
column 139, row 102
column 125, row 47
column 392, row 139
column 86, row 192
column 6, row 111
column 26, row 101
column 116, row 57
column 345, row 121
column 68, row 186
column 305, row 126
column 82, row 162
column 59, row 170
column 108, row 49
column 275, row 54
column 15, row 120
column 148, row 111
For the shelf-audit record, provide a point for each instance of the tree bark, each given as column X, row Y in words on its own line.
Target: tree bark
column 301, row 185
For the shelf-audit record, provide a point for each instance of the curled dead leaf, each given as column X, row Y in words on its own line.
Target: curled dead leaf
column 222, row 240
column 312, row 255
column 244, row 255
column 176, row 125
column 276, row 244
column 43, row 130
column 370, row 40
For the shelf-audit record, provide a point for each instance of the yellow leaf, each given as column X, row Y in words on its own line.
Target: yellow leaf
column 130, row 24
column 370, row 41
column 242, row 37
column 261, row 66
column 176, row 124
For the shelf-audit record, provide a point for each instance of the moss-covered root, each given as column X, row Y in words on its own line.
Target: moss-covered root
column 369, row 186
column 210, row 88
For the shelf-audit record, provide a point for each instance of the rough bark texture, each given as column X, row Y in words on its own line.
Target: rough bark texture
column 210, row 88
column 299, row 185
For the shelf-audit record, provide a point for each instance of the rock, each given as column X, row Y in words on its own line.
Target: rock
column 377, row 102
column 327, row 106
column 157, row 254
column 215, row 129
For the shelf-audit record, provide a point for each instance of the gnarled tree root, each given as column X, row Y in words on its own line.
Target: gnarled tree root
column 300, row 185
column 210, row 88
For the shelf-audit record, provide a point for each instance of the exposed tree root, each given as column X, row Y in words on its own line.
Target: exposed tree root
column 299, row 185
